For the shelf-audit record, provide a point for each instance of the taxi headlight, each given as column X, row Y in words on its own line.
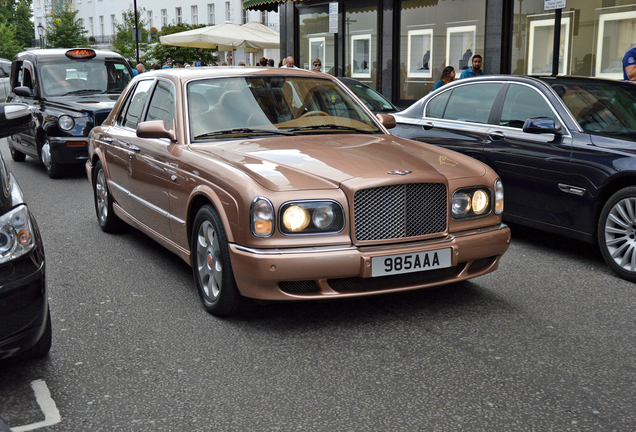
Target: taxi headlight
column 470, row 203
column 66, row 122
column 311, row 217
column 16, row 234
column 262, row 217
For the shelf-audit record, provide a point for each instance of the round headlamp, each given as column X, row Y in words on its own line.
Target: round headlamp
column 480, row 201
column 295, row 218
column 66, row 122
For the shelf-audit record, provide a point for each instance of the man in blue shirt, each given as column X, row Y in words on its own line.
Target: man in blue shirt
column 475, row 70
column 629, row 64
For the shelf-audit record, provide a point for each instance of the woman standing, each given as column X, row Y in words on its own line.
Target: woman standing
column 448, row 75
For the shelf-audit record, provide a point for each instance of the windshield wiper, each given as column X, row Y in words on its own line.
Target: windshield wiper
column 331, row 127
column 81, row 91
column 243, row 130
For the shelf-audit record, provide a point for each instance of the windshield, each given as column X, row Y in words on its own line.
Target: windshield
column 79, row 77
column 245, row 106
column 601, row 108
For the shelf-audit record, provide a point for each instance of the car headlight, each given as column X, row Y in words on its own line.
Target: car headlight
column 311, row 217
column 499, row 197
column 262, row 217
column 66, row 122
column 469, row 203
column 16, row 234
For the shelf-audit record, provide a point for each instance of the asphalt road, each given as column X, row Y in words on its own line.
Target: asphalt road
column 546, row 343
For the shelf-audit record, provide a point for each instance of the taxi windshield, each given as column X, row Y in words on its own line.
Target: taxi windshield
column 265, row 105
column 65, row 78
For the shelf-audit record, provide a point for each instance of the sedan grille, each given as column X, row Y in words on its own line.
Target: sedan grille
column 400, row 211
column 100, row 117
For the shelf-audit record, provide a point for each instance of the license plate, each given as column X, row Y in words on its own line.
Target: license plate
column 410, row 262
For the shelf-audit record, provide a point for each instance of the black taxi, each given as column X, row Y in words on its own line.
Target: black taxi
column 69, row 91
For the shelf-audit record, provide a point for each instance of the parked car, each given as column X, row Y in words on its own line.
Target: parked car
column 275, row 184
column 370, row 97
column 25, row 321
column 565, row 148
column 70, row 91
column 5, row 71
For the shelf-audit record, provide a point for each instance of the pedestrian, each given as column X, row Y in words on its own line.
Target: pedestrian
column 141, row 68
column 475, row 70
column 448, row 75
column 270, row 62
column 169, row 62
column 289, row 63
column 262, row 61
column 280, row 63
column 629, row 64
column 317, row 64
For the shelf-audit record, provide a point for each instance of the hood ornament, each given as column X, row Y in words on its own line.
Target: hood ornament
column 400, row 172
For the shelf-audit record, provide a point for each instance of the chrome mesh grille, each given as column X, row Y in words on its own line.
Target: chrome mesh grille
column 400, row 211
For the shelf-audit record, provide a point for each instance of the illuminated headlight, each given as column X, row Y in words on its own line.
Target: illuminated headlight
column 469, row 203
column 499, row 197
column 16, row 234
column 262, row 217
column 66, row 122
column 311, row 217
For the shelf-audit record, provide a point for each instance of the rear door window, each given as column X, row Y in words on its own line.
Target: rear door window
column 472, row 102
column 521, row 103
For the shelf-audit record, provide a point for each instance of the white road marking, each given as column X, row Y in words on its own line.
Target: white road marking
column 47, row 405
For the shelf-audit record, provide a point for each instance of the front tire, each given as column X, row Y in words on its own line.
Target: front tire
column 617, row 233
column 53, row 169
column 16, row 155
column 211, row 264
column 108, row 221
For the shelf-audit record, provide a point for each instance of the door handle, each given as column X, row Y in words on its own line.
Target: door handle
column 133, row 148
column 428, row 125
column 496, row 136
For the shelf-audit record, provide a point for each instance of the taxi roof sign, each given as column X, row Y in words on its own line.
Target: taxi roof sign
column 81, row 53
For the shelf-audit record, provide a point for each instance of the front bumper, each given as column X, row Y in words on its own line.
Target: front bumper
column 69, row 150
column 319, row 273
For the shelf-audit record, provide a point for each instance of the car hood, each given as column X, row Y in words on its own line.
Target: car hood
column 324, row 162
column 95, row 102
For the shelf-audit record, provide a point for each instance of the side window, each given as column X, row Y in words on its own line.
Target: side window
column 472, row 102
column 136, row 104
column 521, row 103
column 435, row 108
column 162, row 104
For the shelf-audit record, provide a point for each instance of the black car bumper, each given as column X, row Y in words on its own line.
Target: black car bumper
column 69, row 150
column 23, row 303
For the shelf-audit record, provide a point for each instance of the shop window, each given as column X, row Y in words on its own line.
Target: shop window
column 315, row 40
column 361, row 26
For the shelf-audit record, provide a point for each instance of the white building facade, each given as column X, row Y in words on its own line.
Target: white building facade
column 100, row 18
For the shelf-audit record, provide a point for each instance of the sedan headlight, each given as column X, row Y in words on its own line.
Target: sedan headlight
column 16, row 234
column 499, row 197
column 470, row 203
column 311, row 217
column 66, row 122
column 262, row 217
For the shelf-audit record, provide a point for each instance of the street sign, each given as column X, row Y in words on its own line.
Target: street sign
column 553, row 4
column 333, row 17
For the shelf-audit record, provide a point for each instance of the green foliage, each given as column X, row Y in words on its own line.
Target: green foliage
column 182, row 54
column 65, row 30
column 16, row 15
column 123, row 42
column 8, row 45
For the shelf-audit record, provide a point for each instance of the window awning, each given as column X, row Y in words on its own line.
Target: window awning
column 271, row 5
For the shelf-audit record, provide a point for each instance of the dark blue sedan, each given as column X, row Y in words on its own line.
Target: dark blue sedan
column 565, row 148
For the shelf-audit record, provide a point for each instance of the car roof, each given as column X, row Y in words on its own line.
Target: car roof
column 56, row 53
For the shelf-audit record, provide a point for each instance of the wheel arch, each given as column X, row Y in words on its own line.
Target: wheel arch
column 608, row 190
column 204, row 195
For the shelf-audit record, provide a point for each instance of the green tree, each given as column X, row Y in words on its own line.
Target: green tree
column 16, row 15
column 123, row 42
column 64, row 29
column 182, row 54
column 8, row 45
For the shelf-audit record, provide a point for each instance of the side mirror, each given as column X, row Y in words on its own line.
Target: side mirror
column 155, row 129
column 14, row 118
column 387, row 120
column 541, row 125
column 23, row 91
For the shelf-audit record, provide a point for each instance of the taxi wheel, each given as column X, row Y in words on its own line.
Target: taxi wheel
column 617, row 233
column 53, row 169
column 108, row 220
column 16, row 155
column 211, row 264
column 43, row 345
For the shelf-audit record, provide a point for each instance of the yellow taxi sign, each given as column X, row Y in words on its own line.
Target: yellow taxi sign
column 80, row 53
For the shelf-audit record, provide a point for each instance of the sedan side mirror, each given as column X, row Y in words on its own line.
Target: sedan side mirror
column 23, row 91
column 14, row 118
column 155, row 129
column 387, row 120
column 541, row 125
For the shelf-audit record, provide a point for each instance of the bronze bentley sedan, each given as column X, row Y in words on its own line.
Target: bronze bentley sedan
column 278, row 184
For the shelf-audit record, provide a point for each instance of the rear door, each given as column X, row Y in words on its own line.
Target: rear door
column 534, row 167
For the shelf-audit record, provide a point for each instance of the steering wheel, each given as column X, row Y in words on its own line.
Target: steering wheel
column 314, row 113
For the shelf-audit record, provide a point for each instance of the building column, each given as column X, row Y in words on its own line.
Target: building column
column 498, row 37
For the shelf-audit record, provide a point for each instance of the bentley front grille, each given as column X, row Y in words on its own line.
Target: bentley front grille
column 400, row 211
